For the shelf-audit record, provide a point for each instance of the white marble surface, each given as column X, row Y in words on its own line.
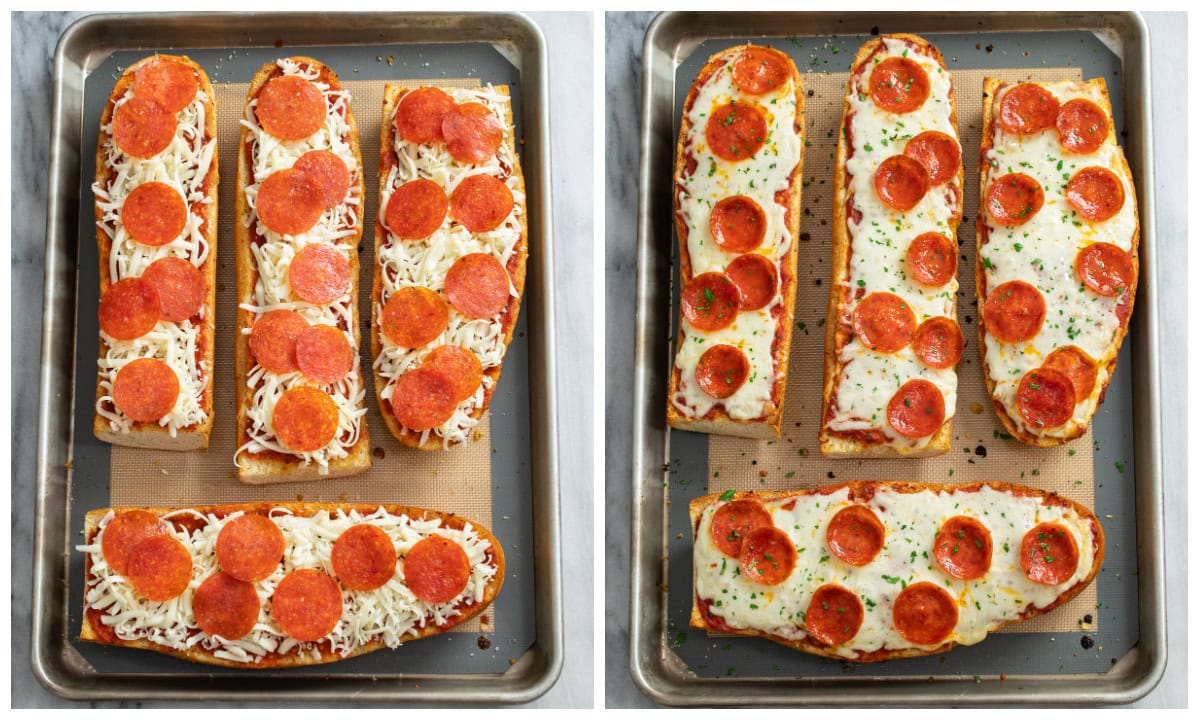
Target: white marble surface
column 569, row 39
column 624, row 33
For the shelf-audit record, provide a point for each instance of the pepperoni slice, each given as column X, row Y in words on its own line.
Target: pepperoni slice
column 416, row 209
column 145, row 390
column 1046, row 398
column 130, row 309
column 738, row 224
column 363, row 558
column 1013, row 199
column 305, row 419
column 722, row 370
column 768, row 556
column 142, row 128
column 249, row 547
column 307, row 605
column 917, row 409
column 755, row 278
column 328, row 172
column 736, row 131
column 1027, row 108
column 424, row 398
column 291, row 108
column 733, row 521
column 939, row 342
column 1049, row 555
column 289, row 202
column 319, row 274
column 834, row 615
column 123, row 532
column 1082, row 126
column 436, row 569
column 273, row 340
column 1077, row 365
column 167, row 81
column 1105, row 269
column 473, row 133
column 759, row 70
column 884, row 322
column 414, row 316
column 420, row 114
column 323, row 354
column 963, row 547
column 901, row 182
column 1096, row 193
column 710, row 301
column 154, row 214
column 225, row 606
column 477, row 286
column 899, row 85
column 460, row 366
column 932, row 259
column 1014, row 312
column 181, row 287
column 481, row 203
column 924, row 614
column 855, row 535
column 159, row 568
column 938, row 152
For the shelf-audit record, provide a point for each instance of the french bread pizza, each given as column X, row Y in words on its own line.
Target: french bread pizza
column 1057, row 254
column 300, row 392
column 269, row 585
column 738, row 171
column 870, row 571
column 891, row 337
column 156, row 219
column 451, row 244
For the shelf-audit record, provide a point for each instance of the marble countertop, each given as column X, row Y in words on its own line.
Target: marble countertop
column 35, row 36
column 624, row 33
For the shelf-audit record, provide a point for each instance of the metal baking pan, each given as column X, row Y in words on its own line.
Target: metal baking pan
column 1009, row 668
column 73, row 467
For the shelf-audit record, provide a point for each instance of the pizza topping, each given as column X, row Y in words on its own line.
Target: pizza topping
column 181, row 288
column 291, row 108
column 328, row 173
column 938, row 152
column 1105, row 269
column 130, row 309
column 1049, row 554
column 424, row 398
column 167, row 81
column 722, row 370
column 884, row 322
column 768, row 556
column 273, row 340
column 760, row 70
column 1028, row 108
column 736, row 131
column 305, row 419
column 416, row 209
column 710, row 302
column 363, row 558
column 733, row 521
column 154, row 214
column 899, row 85
column 249, row 547
column 917, row 410
column 755, row 278
column 738, row 224
column 459, row 365
column 481, row 202
column 1082, row 126
column 414, row 316
column 124, row 531
column 142, row 128
column 289, row 202
column 145, row 390
column 307, row 605
column 924, row 614
column 963, row 548
column 1014, row 312
column 1013, row 199
column 159, row 568
column 901, row 182
column 477, row 285
column 939, row 342
column 319, row 274
column 1045, row 398
column 226, row 607
column 324, row 354
column 932, row 259
column 834, row 615
column 436, row 569
column 855, row 535
column 1079, row 368
column 1096, row 193
column 473, row 133
column 420, row 114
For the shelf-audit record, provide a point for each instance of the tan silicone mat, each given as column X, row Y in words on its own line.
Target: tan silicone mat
column 980, row 449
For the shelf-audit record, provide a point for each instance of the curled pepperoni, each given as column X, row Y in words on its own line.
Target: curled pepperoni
column 481, row 203
column 736, row 131
column 710, row 301
column 834, row 615
column 416, row 209
column 737, row 224
column 167, row 81
column 291, row 108
column 1014, row 312
column 225, row 606
column 1096, row 193
column 1105, row 269
column 733, row 521
column 755, row 278
column 759, row 70
column 142, row 128
column 722, row 370
column 768, row 556
column 1082, row 126
column 1045, row 398
column 938, row 152
column 420, row 114
column 159, row 568
column 473, row 133
column 328, row 172
column 932, row 259
column 901, row 182
column 305, row 419
column 1013, row 199
column 924, row 614
column 249, row 547
column 323, row 354
column 307, row 605
column 273, row 340
column 477, row 286
column 963, row 547
column 145, row 390
column 289, row 202
column 899, row 85
column 1049, row 555
column 855, row 535
column 1077, row 365
column 917, row 409
column 884, row 322
column 123, row 532
column 1028, row 108
column 319, row 274
column 459, row 365
column 180, row 286
column 414, row 316
column 154, row 214
column 437, row 569
column 939, row 342
column 130, row 309
column 424, row 398
column 363, row 558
